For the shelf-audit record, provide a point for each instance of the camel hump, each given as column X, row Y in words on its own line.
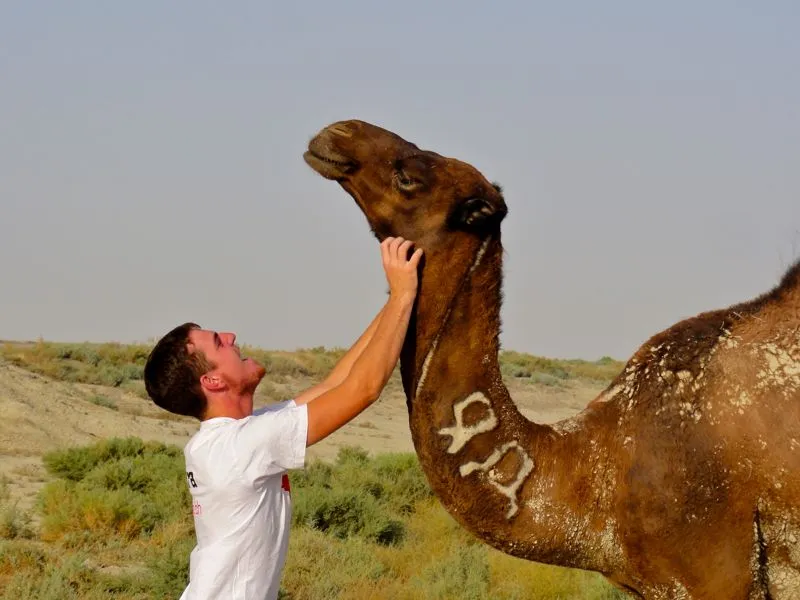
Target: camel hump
column 680, row 360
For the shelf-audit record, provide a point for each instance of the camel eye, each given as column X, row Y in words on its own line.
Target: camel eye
column 405, row 183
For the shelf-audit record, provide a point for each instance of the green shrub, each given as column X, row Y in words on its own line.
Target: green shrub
column 464, row 574
column 169, row 569
column 103, row 401
column 122, row 487
column 359, row 496
column 81, row 511
column 104, row 364
column 321, row 568
column 14, row 522
column 546, row 379
column 345, row 513
column 48, row 580
column 519, row 364
column 74, row 463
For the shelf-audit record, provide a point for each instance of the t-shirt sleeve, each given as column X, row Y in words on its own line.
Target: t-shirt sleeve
column 272, row 441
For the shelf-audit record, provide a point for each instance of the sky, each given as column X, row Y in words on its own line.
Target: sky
column 151, row 165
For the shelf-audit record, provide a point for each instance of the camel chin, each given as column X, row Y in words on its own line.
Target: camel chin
column 329, row 164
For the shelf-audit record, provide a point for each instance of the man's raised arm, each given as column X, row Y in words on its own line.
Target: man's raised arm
column 372, row 368
column 343, row 366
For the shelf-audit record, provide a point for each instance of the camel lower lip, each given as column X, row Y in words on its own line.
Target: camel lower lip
column 327, row 165
column 338, row 161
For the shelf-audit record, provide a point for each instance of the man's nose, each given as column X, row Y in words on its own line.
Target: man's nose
column 229, row 338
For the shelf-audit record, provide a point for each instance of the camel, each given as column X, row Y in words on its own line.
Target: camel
column 681, row 480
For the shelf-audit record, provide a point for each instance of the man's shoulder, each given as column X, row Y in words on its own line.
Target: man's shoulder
column 215, row 431
column 207, row 437
column 274, row 407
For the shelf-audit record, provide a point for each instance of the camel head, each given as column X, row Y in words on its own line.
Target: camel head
column 404, row 191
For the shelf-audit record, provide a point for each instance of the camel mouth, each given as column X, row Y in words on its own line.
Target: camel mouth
column 328, row 163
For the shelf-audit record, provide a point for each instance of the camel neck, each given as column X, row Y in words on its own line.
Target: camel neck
column 495, row 471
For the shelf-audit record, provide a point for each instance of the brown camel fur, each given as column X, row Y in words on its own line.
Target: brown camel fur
column 680, row 480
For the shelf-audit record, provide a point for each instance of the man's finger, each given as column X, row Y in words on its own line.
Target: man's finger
column 386, row 251
column 402, row 250
column 395, row 244
column 415, row 258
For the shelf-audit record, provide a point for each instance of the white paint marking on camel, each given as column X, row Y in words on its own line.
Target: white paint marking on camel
column 426, row 363
column 782, row 368
column 780, row 534
column 461, row 433
column 674, row 591
column 479, row 256
column 509, row 491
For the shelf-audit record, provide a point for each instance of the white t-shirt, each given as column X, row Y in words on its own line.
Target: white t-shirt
column 236, row 472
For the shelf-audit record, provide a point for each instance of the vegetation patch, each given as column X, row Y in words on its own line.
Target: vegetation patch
column 103, row 401
column 549, row 371
column 122, row 365
column 116, row 523
column 359, row 496
column 14, row 522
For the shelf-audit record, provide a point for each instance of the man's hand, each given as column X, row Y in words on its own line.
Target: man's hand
column 401, row 271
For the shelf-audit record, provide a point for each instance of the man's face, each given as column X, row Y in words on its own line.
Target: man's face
column 230, row 370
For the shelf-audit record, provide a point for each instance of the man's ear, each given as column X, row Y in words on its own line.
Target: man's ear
column 476, row 214
column 212, row 382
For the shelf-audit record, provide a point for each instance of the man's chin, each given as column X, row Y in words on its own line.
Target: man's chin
column 258, row 370
column 255, row 366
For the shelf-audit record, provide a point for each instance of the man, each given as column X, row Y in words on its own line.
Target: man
column 236, row 463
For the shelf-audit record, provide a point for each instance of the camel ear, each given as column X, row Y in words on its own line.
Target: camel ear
column 478, row 214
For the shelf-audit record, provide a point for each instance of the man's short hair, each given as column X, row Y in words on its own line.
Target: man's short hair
column 172, row 374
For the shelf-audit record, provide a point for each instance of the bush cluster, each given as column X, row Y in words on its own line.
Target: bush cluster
column 115, row 522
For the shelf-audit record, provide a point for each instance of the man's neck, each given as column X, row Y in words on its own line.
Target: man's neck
column 231, row 405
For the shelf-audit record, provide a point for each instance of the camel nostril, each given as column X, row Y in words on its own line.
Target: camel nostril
column 340, row 129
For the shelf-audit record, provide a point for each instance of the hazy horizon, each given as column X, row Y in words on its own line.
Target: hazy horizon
column 151, row 165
